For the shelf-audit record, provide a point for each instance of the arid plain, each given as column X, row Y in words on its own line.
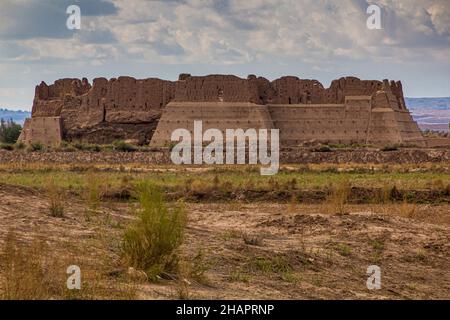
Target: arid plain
column 309, row 232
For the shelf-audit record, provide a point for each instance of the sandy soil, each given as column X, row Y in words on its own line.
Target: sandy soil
column 310, row 255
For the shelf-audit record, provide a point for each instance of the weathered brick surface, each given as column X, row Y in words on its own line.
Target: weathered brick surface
column 127, row 108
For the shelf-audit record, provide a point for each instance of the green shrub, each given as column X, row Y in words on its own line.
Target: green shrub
column 35, row 146
column 95, row 148
column 276, row 264
column 343, row 249
column 150, row 243
column 65, row 146
column 78, row 145
column 107, row 147
column 339, row 146
column 87, row 147
column 9, row 131
column 120, row 145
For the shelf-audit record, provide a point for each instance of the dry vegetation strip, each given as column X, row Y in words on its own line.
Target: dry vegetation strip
column 426, row 183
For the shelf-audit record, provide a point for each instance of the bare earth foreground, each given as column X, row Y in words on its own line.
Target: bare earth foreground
column 252, row 250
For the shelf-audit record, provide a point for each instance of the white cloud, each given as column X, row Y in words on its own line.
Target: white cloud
column 232, row 31
column 440, row 17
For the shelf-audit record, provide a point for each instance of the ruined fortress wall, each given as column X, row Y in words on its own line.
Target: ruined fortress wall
column 214, row 115
column 91, row 113
column 292, row 90
column 357, row 120
column 217, row 88
column 128, row 100
column 350, row 110
column 48, row 99
column 334, row 123
column 299, row 123
column 351, row 86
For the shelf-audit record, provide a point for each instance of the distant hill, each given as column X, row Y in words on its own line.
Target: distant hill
column 428, row 103
column 18, row 116
column 430, row 113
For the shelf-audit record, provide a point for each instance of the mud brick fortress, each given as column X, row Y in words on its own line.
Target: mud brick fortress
column 349, row 111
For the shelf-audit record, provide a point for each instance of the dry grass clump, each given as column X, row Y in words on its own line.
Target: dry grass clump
column 384, row 194
column 56, row 199
column 151, row 243
column 343, row 249
column 239, row 275
column 407, row 210
column 183, row 284
column 35, row 146
column 253, row 239
column 198, row 186
column 24, row 276
column 32, row 271
column 293, row 204
column 336, row 202
column 191, row 270
column 93, row 191
column 276, row 265
column 437, row 184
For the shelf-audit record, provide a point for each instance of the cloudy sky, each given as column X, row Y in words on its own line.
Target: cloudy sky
column 314, row 39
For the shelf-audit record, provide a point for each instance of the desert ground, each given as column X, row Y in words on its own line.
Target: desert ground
column 309, row 232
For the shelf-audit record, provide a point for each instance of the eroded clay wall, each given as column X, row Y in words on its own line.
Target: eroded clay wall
column 217, row 88
column 48, row 99
column 127, row 108
column 292, row 90
column 91, row 113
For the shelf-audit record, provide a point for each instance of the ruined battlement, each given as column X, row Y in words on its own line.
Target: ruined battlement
column 217, row 88
column 152, row 92
column 129, row 108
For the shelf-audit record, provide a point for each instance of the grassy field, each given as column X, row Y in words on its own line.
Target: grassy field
column 175, row 178
column 239, row 235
